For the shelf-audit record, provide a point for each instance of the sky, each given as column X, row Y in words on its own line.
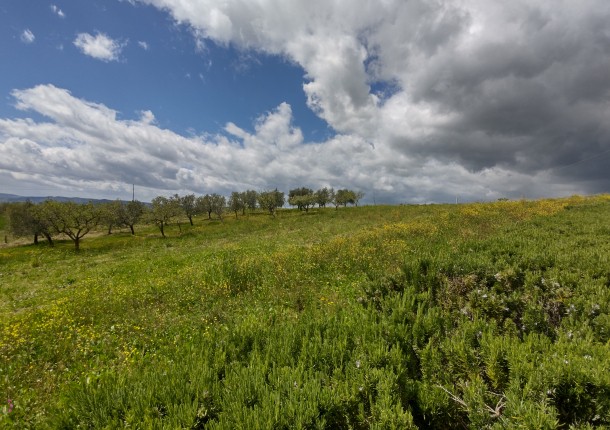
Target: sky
column 408, row 101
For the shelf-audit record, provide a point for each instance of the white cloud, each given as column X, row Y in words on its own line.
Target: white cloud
column 99, row 46
column 85, row 147
column 56, row 10
column 147, row 117
column 514, row 85
column 27, row 36
column 478, row 99
column 143, row 45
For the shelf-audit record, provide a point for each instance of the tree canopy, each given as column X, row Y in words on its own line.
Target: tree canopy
column 302, row 198
column 69, row 218
column 162, row 211
column 24, row 220
column 271, row 200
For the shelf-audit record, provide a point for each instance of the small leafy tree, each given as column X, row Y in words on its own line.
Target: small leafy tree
column 72, row 219
column 218, row 205
column 344, row 196
column 271, row 200
column 302, row 198
column 280, row 200
column 162, row 211
column 203, row 205
column 24, row 220
column 131, row 213
column 323, row 197
column 236, row 203
column 110, row 214
column 250, row 198
column 304, row 202
column 188, row 204
column 176, row 202
column 333, row 198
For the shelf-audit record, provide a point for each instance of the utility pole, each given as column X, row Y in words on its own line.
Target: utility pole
column 133, row 192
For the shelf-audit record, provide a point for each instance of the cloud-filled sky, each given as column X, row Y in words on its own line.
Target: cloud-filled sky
column 407, row 100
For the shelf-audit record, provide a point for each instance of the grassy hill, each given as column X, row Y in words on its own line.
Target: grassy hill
column 440, row 316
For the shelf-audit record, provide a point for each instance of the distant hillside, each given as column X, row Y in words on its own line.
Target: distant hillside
column 11, row 198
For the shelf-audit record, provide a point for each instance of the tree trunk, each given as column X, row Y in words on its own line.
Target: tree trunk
column 77, row 243
column 133, row 233
column 35, row 238
column 161, row 227
column 191, row 220
column 110, row 229
column 49, row 239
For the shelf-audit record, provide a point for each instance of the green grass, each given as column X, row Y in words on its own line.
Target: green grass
column 3, row 224
column 441, row 316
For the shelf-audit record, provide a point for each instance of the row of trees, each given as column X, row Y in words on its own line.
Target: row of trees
column 164, row 209
column 74, row 220
column 304, row 198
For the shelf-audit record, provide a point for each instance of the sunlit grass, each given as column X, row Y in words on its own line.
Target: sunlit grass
column 349, row 318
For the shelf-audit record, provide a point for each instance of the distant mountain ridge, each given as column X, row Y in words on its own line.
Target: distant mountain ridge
column 12, row 198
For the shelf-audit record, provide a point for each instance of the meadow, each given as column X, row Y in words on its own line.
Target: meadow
column 483, row 315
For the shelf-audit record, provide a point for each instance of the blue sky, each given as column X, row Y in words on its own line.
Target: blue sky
column 405, row 100
column 160, row 67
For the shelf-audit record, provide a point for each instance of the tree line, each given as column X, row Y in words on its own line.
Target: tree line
column 304, row 198
column 75, row 220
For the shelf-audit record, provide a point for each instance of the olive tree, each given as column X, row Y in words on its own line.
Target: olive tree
column 211, row 203
column 343, row 197
column 188, row 204
column 218, row 205
column 131, row 213
column 110, row 214
column 323, row 196
column 250, row 198
column 75, row 220
column 24, row 220
column 236, row 203
column 203, row 204
column 302, row 198
column 271, row 200
column 162, row 211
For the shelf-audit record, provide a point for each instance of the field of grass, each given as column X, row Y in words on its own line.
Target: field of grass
column 475, row 316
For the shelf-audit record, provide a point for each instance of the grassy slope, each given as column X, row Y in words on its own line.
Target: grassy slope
column 473, row 315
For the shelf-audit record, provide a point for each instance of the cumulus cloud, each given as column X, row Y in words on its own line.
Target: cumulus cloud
column 87, row 142
column 27, row 36
column 99, row 46
column 147, row 117
column 143, row 45
column 518, row 86
column 429, row 100
column 83, row 145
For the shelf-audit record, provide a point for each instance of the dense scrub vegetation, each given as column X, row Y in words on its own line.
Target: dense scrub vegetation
column 448, row 316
